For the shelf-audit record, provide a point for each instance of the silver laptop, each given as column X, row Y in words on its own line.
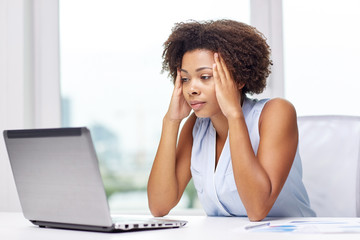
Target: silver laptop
column 57, row 177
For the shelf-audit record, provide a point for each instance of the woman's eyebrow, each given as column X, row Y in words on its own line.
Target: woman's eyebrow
column 197, row 70
column 202, row 68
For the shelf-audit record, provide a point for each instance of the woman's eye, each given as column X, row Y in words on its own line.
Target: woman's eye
column 205, row 77
column 184, row 79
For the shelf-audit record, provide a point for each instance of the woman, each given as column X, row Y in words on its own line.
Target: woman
column 241, row 152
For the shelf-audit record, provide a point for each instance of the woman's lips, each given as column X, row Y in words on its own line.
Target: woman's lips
column 196, row 105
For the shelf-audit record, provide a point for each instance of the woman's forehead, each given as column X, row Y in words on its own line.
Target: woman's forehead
column 199, row 58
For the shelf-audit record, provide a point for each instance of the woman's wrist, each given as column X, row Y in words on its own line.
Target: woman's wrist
column 169, row 120
column 235, row 115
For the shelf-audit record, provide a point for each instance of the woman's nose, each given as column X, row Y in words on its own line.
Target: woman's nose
column 193, row 89
column 193, row 92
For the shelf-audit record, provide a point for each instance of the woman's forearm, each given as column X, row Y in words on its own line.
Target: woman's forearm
column 162, row 185
column 252, row 181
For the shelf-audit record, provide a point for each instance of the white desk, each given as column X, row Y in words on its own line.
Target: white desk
column 14, row 226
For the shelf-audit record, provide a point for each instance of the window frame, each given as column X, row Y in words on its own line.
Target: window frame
column 30, row 76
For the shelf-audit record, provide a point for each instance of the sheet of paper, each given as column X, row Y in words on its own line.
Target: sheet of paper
column 320, row 226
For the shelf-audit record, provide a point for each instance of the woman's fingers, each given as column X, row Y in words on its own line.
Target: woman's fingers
column 178, row 108
column 215, row 74
column 178, row 79
column 220, row 71
column 225, row 69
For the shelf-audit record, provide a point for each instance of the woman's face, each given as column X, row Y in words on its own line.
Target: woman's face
column 198, row 82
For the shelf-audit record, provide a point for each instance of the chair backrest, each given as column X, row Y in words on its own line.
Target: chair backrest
column 329, row 148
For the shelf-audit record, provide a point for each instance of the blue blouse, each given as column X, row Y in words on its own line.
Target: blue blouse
column 216, row 188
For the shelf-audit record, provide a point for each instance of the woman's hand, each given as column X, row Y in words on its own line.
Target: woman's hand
column 227, row 91
column 179, row 108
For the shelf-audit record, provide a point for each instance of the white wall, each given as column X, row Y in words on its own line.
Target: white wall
column 29, row 76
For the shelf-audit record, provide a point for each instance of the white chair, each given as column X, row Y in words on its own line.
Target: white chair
column 330, row 151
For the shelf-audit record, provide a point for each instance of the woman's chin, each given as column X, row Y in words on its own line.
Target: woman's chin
column 199, row 114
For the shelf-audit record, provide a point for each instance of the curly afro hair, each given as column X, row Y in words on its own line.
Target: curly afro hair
column 243, row 48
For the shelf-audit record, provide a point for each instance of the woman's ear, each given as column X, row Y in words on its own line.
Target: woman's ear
column 240, row 86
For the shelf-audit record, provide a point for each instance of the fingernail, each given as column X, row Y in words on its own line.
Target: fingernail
column 216, row 55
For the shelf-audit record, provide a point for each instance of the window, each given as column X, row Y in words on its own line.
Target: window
column 322, row 56
column 111, row 82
